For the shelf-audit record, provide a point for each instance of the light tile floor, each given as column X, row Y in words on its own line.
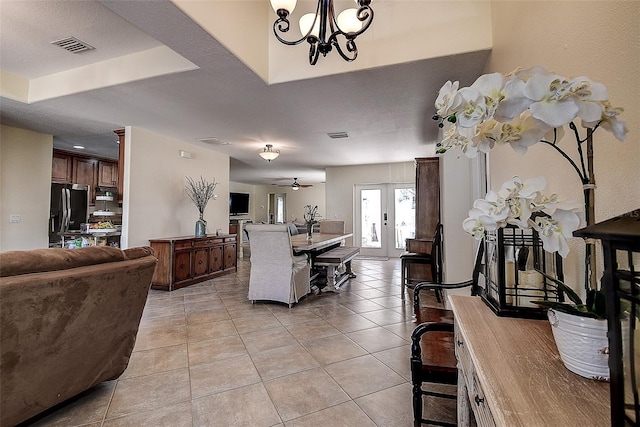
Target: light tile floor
column 206, row 356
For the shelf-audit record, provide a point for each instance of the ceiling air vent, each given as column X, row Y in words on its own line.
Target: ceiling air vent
column 214, row 140
column 72, row 45
column 338, row 135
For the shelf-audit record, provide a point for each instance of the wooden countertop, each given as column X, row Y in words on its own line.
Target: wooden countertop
column 523, row 378
column 300, row 243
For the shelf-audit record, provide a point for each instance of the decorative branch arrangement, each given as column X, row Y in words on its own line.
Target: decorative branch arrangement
column 200, row 192
column 310, row 214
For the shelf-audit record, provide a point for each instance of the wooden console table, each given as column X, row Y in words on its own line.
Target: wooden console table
column 510, row 373
column 183, row 261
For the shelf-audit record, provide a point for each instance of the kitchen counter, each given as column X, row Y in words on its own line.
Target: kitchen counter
column 112, row 238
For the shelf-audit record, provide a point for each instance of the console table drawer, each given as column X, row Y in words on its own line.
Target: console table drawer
column 479, row 403
column 202, row 243
column 462, row 353
column 183, row 244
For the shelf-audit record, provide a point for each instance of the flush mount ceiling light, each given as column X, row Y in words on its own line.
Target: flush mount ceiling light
column 268, row 154
column 322, row 30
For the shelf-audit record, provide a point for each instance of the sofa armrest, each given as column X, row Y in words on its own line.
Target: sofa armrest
column 139, row 252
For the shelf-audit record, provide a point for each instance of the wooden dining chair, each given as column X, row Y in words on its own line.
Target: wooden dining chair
column 433, row 359
column 432, row 258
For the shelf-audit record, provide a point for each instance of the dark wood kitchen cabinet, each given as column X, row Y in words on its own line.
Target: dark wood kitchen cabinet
column 107, row 174
column 61, row 166
column 85, row 171
column 183, row 261
column 70, row 168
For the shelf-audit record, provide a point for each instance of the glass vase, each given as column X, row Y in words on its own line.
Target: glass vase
column 309, row 231
column 201, row 227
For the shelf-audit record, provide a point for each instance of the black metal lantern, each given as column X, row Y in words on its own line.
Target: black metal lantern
column 517, row 273
column 620, row 238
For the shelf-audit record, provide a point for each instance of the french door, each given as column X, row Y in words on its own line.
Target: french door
column 384, row 218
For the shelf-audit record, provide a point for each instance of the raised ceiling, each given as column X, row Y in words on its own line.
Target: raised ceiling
column 167, row 67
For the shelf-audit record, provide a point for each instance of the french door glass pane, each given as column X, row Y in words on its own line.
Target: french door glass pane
column 280, row 210
column 370, row 203
column 405, row 215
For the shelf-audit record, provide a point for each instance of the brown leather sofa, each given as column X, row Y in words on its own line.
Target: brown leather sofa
column 68, row 321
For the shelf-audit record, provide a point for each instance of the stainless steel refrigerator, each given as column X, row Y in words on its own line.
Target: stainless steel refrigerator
column 69, row 209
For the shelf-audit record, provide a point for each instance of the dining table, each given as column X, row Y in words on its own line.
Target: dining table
column 318, row 244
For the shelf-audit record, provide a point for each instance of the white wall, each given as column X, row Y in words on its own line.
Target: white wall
column 25, row 188
column 598, row 39
column 155, row 203
column 456, row 198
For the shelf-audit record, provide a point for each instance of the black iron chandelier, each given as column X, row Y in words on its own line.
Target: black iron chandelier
column 323, row 30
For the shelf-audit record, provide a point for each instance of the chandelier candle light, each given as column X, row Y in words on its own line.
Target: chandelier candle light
column 322, row 29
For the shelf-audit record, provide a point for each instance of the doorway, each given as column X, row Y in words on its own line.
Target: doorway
column 384, row 218
column 277, row 208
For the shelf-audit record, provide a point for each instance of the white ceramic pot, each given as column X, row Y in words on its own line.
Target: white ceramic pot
column 582, row 343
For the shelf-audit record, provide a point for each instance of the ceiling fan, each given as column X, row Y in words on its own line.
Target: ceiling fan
column 296, row 186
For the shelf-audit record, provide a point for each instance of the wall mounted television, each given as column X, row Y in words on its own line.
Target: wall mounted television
column 238, row 204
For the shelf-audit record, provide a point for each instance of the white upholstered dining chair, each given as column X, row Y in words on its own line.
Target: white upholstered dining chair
column 332, row 227
column 276, row 274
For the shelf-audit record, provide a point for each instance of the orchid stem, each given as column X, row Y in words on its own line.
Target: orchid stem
column 566, row 156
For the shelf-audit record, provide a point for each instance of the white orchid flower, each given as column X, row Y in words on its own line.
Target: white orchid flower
column 589, row 94
column 491, row 87
column 525, row 75
column 447, row 101
column 549, row 204
column 514, row 101
column 459, row 137
column 472, row 108
column 532, row 186
column 554, row 231
column 521, row 133
column 519, row 212
column 455, row 137
column 478, row 224
column 609, row 121
column 553, row 101
column 485, row 138
column 520, row 198
column 527, row 189
column 493, row 205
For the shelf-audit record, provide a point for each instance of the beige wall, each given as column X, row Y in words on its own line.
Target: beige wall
column 296, row 200
column 25, row 188
column 598, row 39
column 156, row 204
column 259, row 195
column 340, row 182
